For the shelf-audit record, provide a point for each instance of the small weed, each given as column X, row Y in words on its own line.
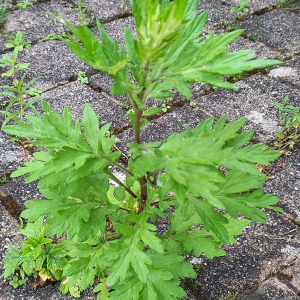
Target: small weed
column 242, row 7
column 194, row 105
column 11, row 61
column 82, row 77
column 24, row 4
column 228, row 297
column 54, row 17
column 290, row 120
column 54, row 36
column 237, row 77
column 4, row 179
column 19, row 92
column 16, row 41
column 83, row 13
column 223, row 23
column 165, row 107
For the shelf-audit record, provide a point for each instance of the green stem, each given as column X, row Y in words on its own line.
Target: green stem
column 115, row 164
column 137, row 135
column 116, row 180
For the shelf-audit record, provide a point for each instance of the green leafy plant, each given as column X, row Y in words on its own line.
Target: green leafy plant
column 11, row 61
column 24, row 4
column 82, row 77
column 16, row 41
column 241, row 8
column 290, row 120
column 207, row 175
column 37, row 256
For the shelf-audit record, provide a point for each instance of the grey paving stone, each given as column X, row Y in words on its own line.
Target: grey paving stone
column 33, row 21
column 54, row 62
column 12, row 155
column 75, row 95
column 259, row 49
column 106, row 10
column 285, row 182
column 295, row 5
column 275, row 289
column 7, row 228
column 3, row 99
column 278, row 29
column 288, row 72
column 115, row 29
column 20, row 192
column 255, row 5
column 248, row 261
column 48, row 291
column 252, row 99
column 218, row 13
column 3, row 42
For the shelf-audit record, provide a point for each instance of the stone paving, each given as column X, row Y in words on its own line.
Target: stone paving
column 263, row 263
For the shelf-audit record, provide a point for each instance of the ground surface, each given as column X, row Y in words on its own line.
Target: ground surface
column 262, row 264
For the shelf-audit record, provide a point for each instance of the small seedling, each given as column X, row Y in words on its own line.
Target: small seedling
column 228, row 297
column 11, row 61
column 82, row 13
column 19, row 92
column 4, row 179
column 54, row 36
column 54, row 17
column 16, row 41
column 290, row 120
column 165, row 107
column 82, row 77
column 24, row 4
column 242, row 7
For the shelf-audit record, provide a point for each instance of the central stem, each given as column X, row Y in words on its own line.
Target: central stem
column 143, row 181
column 137, row 136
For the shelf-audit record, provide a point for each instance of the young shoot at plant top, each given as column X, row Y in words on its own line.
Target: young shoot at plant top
column 112, row 235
